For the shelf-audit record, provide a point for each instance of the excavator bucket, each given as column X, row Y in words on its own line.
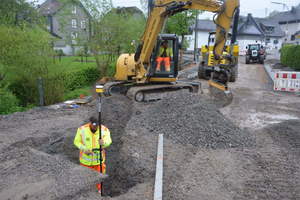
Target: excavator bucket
column 220, row 93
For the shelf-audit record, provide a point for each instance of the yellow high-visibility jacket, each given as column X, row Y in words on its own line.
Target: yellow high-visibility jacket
column 86, row 140
column 169, row 52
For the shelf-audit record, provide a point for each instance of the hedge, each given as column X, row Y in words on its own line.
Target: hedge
column 290, row 56
column 9, row 102
column 55, row 86
column 80, row 78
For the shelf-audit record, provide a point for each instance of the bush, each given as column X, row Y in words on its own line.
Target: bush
column 59, row 52
column 9, row 102
column 25, row 54
column 290, row 56
column 86, row 91
column 81, row 78
column 54, row 89
column 112, row 68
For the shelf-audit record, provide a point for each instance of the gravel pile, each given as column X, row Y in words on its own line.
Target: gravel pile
column 190, row 119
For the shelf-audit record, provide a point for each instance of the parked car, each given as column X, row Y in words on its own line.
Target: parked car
column 255, row 53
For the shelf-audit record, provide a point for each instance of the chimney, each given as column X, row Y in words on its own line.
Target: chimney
column 293, row 10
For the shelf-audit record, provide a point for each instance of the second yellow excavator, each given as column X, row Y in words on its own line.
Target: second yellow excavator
column 142, row 73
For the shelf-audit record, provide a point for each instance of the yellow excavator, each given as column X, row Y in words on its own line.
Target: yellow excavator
column 137, row 75
column 229, row 61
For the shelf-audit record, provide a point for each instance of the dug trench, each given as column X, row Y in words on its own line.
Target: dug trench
column 40, row 152
column 40, row 149
column 205, row 156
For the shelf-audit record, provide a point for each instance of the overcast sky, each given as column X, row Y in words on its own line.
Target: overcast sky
column 259, row 8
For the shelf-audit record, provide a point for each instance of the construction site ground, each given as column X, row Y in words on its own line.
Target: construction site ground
column 249, row 149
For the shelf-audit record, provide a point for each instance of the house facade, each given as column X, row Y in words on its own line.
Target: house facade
column 250, row 30
column 259, row 30
column 203, row 28
column 69, row 23
column 289, row 22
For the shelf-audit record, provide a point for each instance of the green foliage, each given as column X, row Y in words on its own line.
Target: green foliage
column 78, row 79
column 59, row 52
column 180, row 23
column 113, row 35
column 18, row 13
column 86, row 91
column 9, row 102
column 290, row 56
column 25, row 53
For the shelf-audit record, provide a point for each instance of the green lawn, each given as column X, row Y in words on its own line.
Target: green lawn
column 73, row 63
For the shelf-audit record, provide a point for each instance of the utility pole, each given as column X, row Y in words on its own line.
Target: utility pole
column 196, row 38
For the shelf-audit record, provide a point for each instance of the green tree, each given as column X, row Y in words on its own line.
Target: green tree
column 18, row 12
column 112, row 34
column 25, row 54
column 180, row 23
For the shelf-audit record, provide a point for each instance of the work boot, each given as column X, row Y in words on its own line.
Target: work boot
column 99, row 188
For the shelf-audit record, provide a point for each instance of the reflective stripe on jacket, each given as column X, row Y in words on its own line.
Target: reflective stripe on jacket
column 86, row 140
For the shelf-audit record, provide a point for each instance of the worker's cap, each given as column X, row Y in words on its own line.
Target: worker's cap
column 94, row 121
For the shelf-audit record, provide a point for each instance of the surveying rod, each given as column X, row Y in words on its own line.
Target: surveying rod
column 100, row 90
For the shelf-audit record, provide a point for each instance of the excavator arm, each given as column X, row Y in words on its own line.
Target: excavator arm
column 162, row 9
column 137, row 74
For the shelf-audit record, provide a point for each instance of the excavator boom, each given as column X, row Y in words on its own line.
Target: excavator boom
column 162, row 9
column 140, row 69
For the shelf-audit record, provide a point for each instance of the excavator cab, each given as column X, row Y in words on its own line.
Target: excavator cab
column 164, row 58
column 154, row 70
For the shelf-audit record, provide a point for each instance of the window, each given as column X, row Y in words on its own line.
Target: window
column 254, row 47
column 293, row 37
column 74, row 23
column 74, row 35
column 275, row 42
column 83, row 24
column 74, row 9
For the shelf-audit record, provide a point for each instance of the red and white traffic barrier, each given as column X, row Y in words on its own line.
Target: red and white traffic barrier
column 287, row 81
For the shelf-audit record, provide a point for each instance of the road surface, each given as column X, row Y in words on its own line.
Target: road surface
column 270, row 169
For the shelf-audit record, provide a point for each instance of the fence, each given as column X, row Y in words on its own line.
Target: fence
column 287, row 81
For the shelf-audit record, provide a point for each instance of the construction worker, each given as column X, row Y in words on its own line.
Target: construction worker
column 164, row 55
column 87, row 140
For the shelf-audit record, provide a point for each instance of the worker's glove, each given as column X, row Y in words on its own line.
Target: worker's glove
column 101, row 142
column 88, row 152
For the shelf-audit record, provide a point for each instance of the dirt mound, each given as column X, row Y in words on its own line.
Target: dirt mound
column 189, row 119
column 40, row 160
column 38, row 175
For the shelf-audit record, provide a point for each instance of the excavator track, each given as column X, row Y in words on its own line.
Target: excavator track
column 116, row 87
column 148, row 93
